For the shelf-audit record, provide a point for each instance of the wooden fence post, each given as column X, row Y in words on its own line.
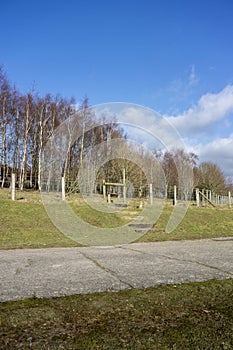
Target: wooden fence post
column 13, row 186
column 210, row 195
column 175, row 196
column 63, row 194
column 197, row 197
column 203, row 194
column 151, row 194
column 229, row 199
column 124, row 187
column 104, row 189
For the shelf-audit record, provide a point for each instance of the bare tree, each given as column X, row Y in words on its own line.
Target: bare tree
column 4, row 120
column 170, row 171
column 16, row 134
column 178, row 167
column 211, row 178
column 27, row 119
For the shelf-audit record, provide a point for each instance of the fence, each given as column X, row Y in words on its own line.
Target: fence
column 201, row 198
column 207, row 197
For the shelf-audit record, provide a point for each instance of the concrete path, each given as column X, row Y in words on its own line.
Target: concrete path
column 30, row 273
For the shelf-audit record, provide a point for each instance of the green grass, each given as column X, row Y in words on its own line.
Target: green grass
column 95, row 217
column 198, row 223
column 25, row 224
column 188, row 316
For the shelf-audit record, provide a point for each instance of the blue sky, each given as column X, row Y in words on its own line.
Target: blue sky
column 175, row 57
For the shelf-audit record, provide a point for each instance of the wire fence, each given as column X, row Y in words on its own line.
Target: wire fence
column 198, row 197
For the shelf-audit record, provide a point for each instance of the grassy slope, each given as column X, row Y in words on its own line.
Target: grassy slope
column 25, row 224
column 198, row 223
column 189, row 316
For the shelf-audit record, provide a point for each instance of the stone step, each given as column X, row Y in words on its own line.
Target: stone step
column 141, row 225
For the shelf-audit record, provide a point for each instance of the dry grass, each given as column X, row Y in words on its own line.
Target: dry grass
column 25, row 224
column 189, row 316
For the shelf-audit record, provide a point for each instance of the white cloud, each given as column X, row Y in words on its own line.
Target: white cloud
column 200, row 124
column 219, row 151
column 193, row 78
column 209, row 109
column 194, row 125
column 153, row 124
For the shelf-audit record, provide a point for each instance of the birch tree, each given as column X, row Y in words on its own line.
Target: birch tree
column 4, row 119
column 27, row 118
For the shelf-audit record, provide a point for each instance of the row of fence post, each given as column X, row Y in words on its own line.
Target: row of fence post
column 63, row 194
column 205, row 194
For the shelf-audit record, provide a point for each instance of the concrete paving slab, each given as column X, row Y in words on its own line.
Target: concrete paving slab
column 31, row 273
column 27, row 273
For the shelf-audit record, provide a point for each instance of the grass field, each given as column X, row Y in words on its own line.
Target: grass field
column 198, row 223
column 25, row 224
column 188, row 316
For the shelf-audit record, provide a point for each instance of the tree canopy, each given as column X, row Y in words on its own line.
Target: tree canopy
column 28, row 120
